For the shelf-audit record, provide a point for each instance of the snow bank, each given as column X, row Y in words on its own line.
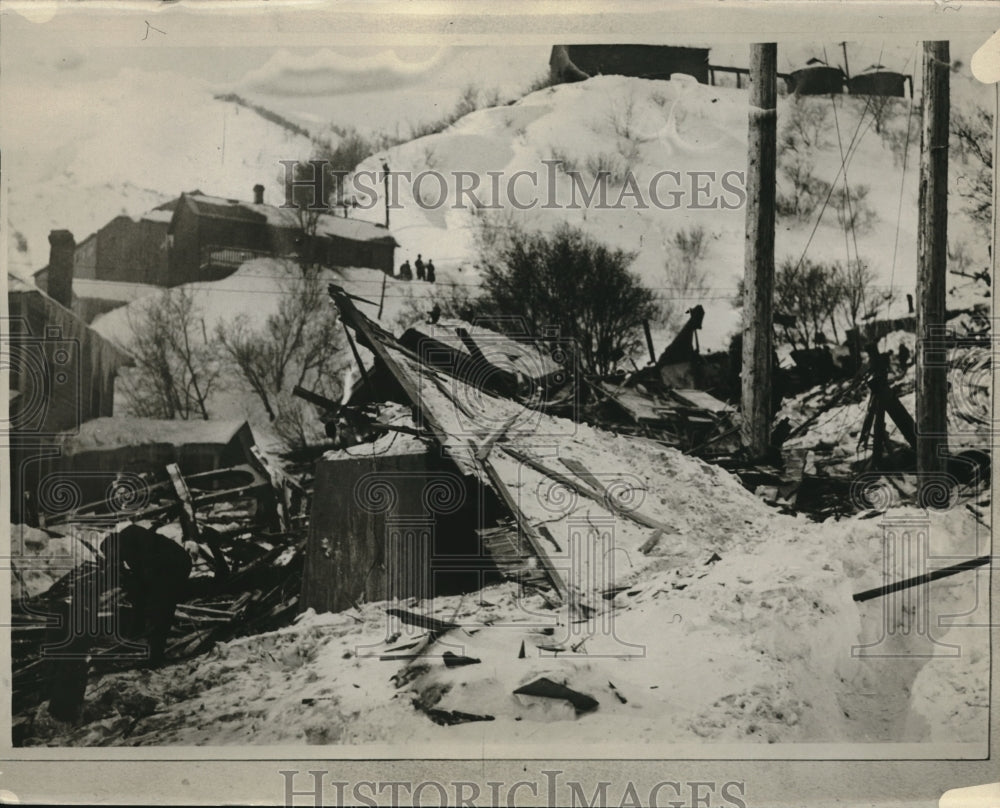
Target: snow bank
column 742, row 628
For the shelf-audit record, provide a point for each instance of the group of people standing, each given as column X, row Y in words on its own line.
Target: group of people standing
column 424, row 271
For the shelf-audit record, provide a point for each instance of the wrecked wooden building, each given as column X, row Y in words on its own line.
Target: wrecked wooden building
column 454, row 489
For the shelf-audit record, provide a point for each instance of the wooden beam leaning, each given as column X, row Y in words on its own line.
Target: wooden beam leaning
column 529, row 532
column 602, row 496
column 187, row 516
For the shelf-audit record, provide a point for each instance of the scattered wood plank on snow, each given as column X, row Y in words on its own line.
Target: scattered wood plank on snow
column 602, row 496
column 546, row 688
column 925, row 578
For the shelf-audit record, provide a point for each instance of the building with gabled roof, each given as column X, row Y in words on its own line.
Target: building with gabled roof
column 209, row 237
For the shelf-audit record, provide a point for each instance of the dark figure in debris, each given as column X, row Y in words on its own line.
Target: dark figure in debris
column 405, row 273
column 904, row 358
column 153, row 571
column 419, row 265
column 430, row 271
column 435, row 315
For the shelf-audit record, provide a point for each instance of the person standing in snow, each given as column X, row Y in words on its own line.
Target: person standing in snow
column 153, row 571
column 430, row 271
column 419, row 265
column 405, row 273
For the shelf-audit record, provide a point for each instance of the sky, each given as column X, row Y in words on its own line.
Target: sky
column 385, row 81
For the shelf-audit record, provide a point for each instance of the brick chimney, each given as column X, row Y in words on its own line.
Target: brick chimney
column 258, row 194
column 62, row 245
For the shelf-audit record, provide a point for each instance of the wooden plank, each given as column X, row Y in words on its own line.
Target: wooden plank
column 422, row 621
column 532, row 536
column 487, row 445
column 601, row 498
column 925, row 578
column 583, row 473
column 701, row 400
column 503, row 545
column 189, row 521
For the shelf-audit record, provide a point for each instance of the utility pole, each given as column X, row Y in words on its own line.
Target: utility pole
column 381, row 297
column 932, row 263
column 847, row 67
column 758, row 267
column 385, row 172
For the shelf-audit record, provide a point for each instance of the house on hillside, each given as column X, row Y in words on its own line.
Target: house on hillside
column 125, row 250
column 569, row 63
column 816, row 77
column 877, row 80
column 86, row 296
column 197, row 237
column 210, row 237
column 62, row 371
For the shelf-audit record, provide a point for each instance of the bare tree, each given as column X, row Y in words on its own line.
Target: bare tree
column 297, row 345
column 972, row 134
column 686, row 279
column 811, row 293
column 175, row 367
column 858, row 297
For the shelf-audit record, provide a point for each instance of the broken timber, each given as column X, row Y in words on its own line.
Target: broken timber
column 187, row 516
column 527, row 530
column 385, row 346
column 919, row 580
column 602, row 496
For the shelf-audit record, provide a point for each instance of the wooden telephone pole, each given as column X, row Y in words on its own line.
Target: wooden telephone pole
column 758, row 267
column 385, row 179
column 932, row 261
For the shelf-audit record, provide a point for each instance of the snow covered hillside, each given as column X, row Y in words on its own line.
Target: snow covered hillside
column 621, row 124
column 157, row 134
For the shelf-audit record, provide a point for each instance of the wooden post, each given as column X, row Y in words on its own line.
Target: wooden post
column 932, row 264
column 381, row 297
column 279, row 491
column 188, row 519
column 758, row 267
column 649, row 341
column 385, row 171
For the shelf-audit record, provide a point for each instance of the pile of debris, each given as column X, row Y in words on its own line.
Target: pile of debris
column 244, row 529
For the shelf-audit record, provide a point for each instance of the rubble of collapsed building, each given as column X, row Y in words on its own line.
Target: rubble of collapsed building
column 204, row 485
column 447, row 462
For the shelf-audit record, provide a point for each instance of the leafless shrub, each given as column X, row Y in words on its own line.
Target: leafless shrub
column 175, row 366
column 298, row 345
column 612, row 166
column 686, row 278
column 972, row 136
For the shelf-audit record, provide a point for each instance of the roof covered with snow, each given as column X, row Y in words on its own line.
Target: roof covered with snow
column 117, row 432
column 159, row 215
column 119, row 291
column 19, row 285
column 327, row 225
